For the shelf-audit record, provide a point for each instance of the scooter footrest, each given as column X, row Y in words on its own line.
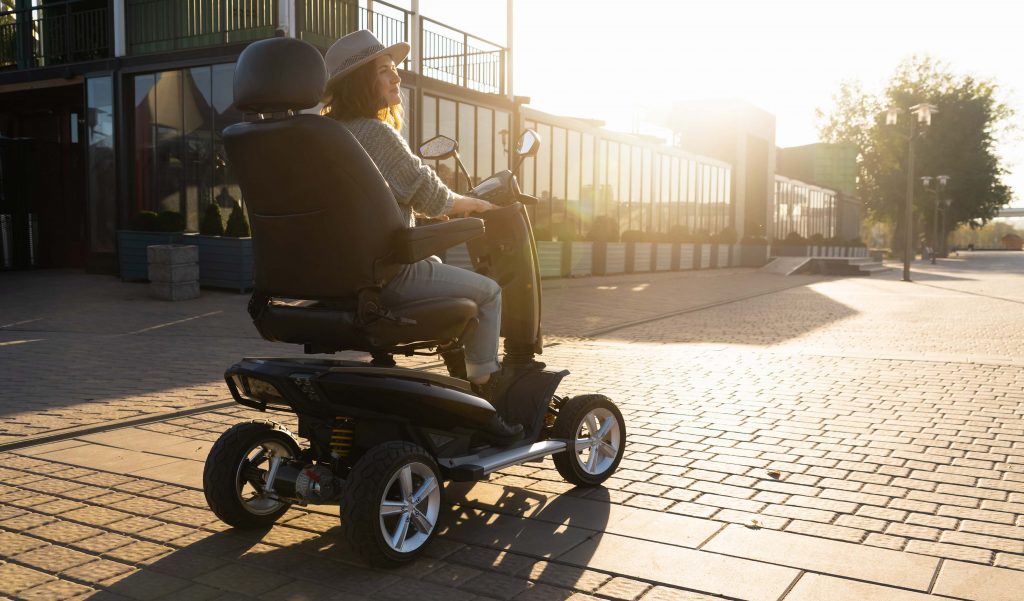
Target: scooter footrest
column 467, row 473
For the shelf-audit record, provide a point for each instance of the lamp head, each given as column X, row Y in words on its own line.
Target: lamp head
column 892, row 115
column 924, row 112
column 926, row 181
column 943, row 180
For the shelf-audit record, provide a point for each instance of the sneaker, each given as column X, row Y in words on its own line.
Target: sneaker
column 501, row 432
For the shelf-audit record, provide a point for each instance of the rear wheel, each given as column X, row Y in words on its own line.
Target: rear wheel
column 596, row 433
column 236, row 472
column 391, row 503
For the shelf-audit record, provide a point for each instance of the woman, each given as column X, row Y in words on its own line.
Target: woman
column 364, row 94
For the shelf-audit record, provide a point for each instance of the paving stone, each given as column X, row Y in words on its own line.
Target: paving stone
column 626, row 589
column 55, row 590
column 829, row 557
column 983, row 583
column 14, row 543
column 98, row 572
column 563, row 576
column 818, row 587
column 243, row 579
column 15, row 578
column 949, row 551
column 53, row 559
column 677, row 566
column 664, row 593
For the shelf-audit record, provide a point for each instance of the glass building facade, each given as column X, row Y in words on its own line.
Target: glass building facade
column 804, row 209
column 583, row 172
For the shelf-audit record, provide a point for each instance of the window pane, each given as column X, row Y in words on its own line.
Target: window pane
column 544, row 177
column 467, row 141
column 484, row 142
column 101, row 169
column 224, row 115
column 197, row 104
column 167, row 129
column 529, row 166
column 428, row 120
column 446, row 116
column 144, row 144
column 502, row 141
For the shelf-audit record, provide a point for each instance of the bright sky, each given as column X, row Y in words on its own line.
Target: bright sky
column 619, row 60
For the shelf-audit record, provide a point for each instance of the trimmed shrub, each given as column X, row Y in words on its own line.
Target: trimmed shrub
column 794, row 239
column 144, row 221
column 170, row 221
column 754, row 241
column 604, row 229
column 212, row 223
column 727, row 235
column 237, row 226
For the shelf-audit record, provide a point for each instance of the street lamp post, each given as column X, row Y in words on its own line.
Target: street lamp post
column 924, row 112
column 941, row 182
column 945, row 210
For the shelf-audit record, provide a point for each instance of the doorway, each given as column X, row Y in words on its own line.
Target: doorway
column 42, row 178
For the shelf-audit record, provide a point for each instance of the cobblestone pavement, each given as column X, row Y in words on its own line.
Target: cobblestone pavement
column 788, row 439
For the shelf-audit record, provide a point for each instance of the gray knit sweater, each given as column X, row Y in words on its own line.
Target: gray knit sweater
column 416, row 187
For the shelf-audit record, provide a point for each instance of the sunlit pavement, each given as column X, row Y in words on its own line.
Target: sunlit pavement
column 789, row 438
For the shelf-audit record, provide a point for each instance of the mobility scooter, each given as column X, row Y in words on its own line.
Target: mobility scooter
column 381, row 439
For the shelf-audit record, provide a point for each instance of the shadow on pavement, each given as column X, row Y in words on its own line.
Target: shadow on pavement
column 320, row 565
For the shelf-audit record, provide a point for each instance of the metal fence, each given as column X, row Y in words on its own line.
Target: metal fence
column 162, row 25
column 54, row 34
column 462, row 59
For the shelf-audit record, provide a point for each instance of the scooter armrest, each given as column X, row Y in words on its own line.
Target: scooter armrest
column 418, row 243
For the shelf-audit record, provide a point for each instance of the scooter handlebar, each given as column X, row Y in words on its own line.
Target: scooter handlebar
column 526, row 199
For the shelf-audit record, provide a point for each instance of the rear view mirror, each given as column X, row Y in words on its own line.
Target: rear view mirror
column 438, row 148
column 529, row 144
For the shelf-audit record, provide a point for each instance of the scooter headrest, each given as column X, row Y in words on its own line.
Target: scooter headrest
column 279, row 74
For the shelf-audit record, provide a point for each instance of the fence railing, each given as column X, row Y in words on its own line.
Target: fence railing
column 462, row 59
column 162, row 25
column 72, row 31
column 53, row 34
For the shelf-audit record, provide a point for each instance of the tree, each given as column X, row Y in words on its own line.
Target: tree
column 959, row 143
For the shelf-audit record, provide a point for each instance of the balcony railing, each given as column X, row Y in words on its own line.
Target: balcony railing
column 163, row 25
column 55, row 34
column 448, row 54
column 459, row 58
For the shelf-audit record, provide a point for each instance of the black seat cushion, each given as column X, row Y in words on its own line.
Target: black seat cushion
column 310, row 322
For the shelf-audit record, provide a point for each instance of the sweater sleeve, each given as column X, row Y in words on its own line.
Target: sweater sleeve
column 414, row 184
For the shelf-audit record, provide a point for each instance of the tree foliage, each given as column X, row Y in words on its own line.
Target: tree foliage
column 959, row 143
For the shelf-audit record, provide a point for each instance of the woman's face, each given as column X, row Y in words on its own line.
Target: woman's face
column 388, row 81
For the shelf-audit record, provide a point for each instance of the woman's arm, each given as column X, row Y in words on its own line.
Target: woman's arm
column 468, row 204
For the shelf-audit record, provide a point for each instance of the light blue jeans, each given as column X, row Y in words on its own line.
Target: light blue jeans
column 432, row 279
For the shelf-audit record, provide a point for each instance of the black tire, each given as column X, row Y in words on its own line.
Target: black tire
column 575, row 465
column 224, row 483
column 375, row 480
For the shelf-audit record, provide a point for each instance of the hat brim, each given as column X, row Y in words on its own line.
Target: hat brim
column 398, row 53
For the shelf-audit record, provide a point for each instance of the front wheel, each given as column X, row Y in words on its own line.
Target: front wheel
column 236, row 472
column 391, row 503
column 596, row 435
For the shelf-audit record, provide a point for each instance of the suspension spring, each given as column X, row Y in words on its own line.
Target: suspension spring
column 342, row 434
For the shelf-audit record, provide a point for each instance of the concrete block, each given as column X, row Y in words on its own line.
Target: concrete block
column 173, row 273
column 174, row 291
column 172, row 254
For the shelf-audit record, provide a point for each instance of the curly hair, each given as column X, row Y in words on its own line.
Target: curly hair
column 355, row 95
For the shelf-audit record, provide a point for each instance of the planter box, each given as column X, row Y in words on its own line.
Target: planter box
column 132, row 261
column 581, row 258
column 224, row 262
column 753, row 255
column 722, row 257
column 789, row 251
column 614, row 258
column 549, row 257
column 734, row 255
column 638, row 257
column 705, row 256
column 663, row 256
column 686, row 256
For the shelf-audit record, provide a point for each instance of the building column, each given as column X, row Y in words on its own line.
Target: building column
column 415, row 40
column 120, row 34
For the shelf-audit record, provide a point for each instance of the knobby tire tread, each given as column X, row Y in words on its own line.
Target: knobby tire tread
column 567, row 424
column 222, row 465
column 360, row 500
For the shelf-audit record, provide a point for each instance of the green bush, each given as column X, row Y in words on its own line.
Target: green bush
column 237, row 226
column 794, row 239
column 564, row 232
column 144, row 221
column 679, row 233
column 212, row 223
column 701, row 236
column 816, row 240
column 170, row 221
column 604, row 229
column 727, row 235
column 634, row 236
column 856, row 243
column 754, row 241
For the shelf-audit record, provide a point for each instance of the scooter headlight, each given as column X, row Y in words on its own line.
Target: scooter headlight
column 257, row 390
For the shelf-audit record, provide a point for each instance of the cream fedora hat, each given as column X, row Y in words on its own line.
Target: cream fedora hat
column 355, row 50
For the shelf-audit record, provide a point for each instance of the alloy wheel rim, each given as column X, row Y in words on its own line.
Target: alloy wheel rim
column 409, row 507
column 597, row 442
column 253, row 499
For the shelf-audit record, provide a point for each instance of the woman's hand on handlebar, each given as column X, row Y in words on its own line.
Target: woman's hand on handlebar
column 468, row 204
